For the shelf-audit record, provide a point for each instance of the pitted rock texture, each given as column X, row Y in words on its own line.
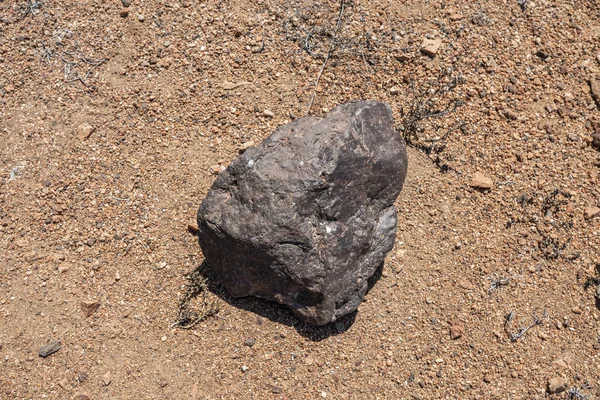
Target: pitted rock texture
column 307, row 217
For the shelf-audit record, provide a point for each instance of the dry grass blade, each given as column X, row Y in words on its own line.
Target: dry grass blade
column 331, row 44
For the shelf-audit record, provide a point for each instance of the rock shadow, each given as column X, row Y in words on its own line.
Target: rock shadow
column 280, row 313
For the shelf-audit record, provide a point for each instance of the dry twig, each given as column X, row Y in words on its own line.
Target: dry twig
column 32, row 8
column 73, row 59
column 576, row 394
column 188, row 318
column 424, row 108
column 497, row 283
column 331, row 44
column 518, row 335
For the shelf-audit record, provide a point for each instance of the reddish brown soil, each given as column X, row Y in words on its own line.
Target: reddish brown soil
column 103, row 218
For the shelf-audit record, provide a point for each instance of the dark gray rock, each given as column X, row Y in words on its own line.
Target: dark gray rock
column 49, row 349
column 306, row 217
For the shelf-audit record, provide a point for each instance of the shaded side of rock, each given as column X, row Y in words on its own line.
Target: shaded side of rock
column 306, row 217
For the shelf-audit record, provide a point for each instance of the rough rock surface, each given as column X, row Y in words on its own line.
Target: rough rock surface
column 306, row 217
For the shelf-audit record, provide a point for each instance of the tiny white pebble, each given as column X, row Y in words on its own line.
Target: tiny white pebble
column 245, row 368
column 323, row 394
column 163, row 338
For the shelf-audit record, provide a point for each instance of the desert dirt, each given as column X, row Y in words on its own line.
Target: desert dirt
column 114, row 121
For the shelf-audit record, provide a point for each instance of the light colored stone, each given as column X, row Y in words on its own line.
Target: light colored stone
column 430, row 47
column 106, row 379
column 246, row 146
column 85, row 130
column 591, row 212
column 22, row 243
column 564, row 361
column 64, row 267
column 165, row 62
column 64, row 384
column 595, row 88
column 480, row 181
column 557, row 385
column 216, row 169
column 456, row 332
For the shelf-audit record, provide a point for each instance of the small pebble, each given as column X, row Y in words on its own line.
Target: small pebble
column 64, row 384
column 430, row 47
column 480, row 181
column 268, row 113
column 557, row 385
column 245, row 368
column 276, row 390
column 85, row 131
column 106, row 379
column 89, row 307
column 591, row 212
column 49, row 349
column 456, row 332
column 249, row 342
column 217, row 169
column 245, row 146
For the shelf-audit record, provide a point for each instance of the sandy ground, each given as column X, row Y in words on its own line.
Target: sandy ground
column 113, row 120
